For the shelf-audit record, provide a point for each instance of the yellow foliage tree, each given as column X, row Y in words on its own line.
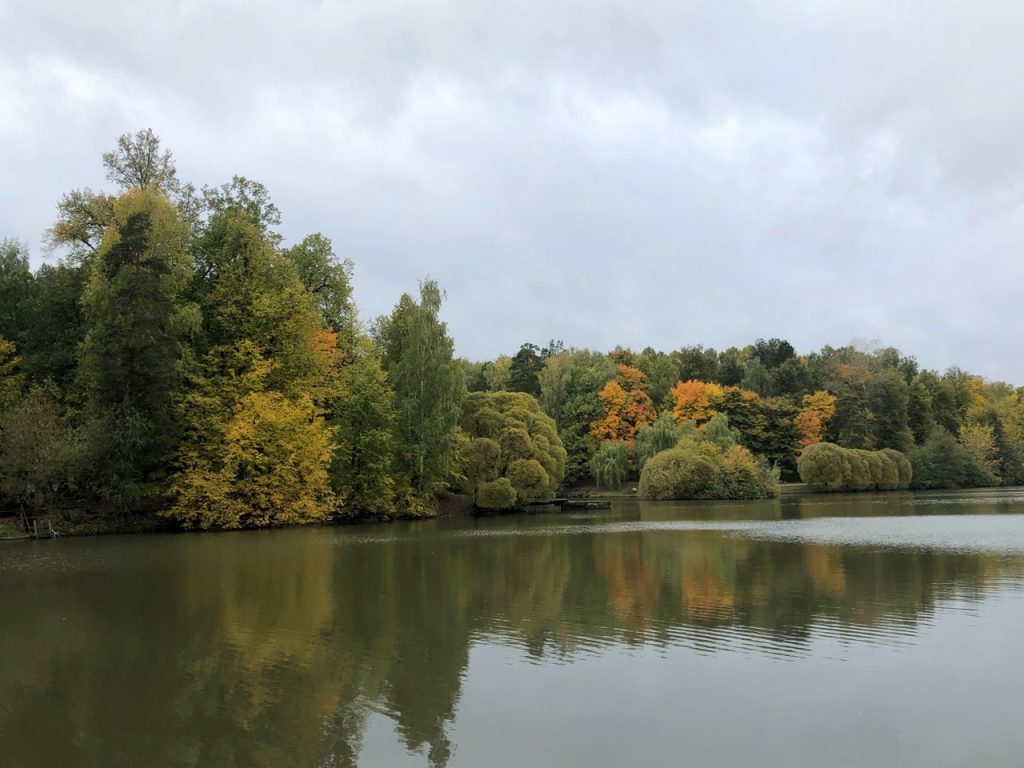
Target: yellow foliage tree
column 813, row 418
column 980, row 440
column 273, row 469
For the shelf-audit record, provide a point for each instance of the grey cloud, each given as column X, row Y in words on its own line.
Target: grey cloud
column 603, row 172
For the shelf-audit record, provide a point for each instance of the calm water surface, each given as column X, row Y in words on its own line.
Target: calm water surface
column 881, row 630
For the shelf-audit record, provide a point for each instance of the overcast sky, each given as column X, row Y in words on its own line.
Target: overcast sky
column 643, row 172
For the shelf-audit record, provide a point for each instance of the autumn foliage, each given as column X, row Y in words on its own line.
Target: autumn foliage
column 627, row 407
column 813, row 418
column 700, row 400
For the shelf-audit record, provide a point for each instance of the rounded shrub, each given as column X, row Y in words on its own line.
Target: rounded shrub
column 678, row 473
column 496, row 495
column 529, row 479
column 904, row 470
column 506, row 435
column 827, row 467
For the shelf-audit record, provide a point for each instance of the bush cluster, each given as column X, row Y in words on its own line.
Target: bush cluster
column 703, row 470
column 510, row 450
column 827, row 467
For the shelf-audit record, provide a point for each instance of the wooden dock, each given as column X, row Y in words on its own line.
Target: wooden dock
column 567, row 503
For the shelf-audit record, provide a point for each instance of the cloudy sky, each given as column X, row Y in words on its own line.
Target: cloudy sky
column 605, row 172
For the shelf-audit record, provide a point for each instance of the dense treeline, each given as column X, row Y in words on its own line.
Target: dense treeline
column 180, row 358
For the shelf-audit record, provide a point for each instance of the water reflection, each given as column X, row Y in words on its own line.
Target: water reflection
column 276, row 649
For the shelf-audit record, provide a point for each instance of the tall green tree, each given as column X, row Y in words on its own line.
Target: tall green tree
column 662, row 372
column 772, row 353
column 889, row 398
column 129, row 359
column 920, row 416
column 362, row 412
column 526, row 365
column 327, row 278
column 695, row 363
column 554, row 380
column 15, row 290
column 429, row 387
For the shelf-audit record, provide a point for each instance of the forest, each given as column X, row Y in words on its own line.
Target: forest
column 176, row 360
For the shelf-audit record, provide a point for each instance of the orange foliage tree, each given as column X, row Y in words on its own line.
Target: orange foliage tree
column 627, row 407
column 699, row 400
column 813, row 418
column 696, row 400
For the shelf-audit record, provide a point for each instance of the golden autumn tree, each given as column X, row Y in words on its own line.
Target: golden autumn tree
column 273, row 468
column 626, row 405
column 813, row 418
column 697, row 400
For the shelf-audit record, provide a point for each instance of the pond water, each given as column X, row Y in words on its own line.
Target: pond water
column 862, row 630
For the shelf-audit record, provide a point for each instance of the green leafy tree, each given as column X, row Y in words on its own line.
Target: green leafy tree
column 417, row 356
column 58, row 326
column 555, row 378
column 851, row 422
column 920, row 416
column 498, row 374
column 790, row 379
column 496, row 495
column 654, row 438
column 889, row 399
column 943, row 463
column 129, row 359
column 362, row 413
column 707, row 464
column 609, row 465
column 525, row 367
column 589, row 373
column 82, row 218
column 15, row 290
column 695, row 363
column 718, row 432
column 772, row 353
column 1009, row 461
column 662, row 372
column 327, row 277
column 730, row 368
column 980, row 442
column 41, row 457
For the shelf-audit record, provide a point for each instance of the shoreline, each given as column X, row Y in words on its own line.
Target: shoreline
column 455, row 506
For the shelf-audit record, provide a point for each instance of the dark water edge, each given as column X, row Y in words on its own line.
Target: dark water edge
column 875, row 629
column 79, row 523
column 456, row 505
